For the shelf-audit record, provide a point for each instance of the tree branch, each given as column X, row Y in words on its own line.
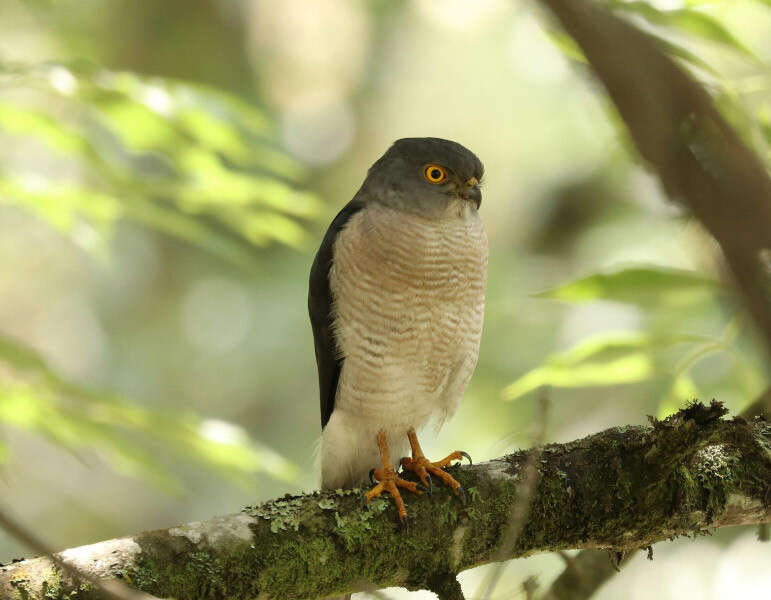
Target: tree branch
column 589, row 570
column 623, row 488
column 110, row 589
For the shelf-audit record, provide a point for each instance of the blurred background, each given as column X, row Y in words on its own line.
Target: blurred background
column 167, row 170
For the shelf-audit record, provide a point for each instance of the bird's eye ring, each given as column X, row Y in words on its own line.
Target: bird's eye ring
column 434, row 173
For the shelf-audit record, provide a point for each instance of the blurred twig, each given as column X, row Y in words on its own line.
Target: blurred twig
column 111, row 589
column 584, row 574
column 531, row 476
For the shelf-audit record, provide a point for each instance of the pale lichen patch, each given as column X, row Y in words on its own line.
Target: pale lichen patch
column 495, row 469
column 217, row 530
column 456, row 552
column 282, row 514
column 741, row 509
column 327, row 503
column 96, row 559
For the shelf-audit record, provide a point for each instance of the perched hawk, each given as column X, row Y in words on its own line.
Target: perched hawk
column 396, row 302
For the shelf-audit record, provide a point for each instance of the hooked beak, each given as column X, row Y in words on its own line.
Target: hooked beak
column 472, row 192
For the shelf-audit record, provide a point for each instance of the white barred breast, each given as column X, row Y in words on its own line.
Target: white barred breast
column 409, row 305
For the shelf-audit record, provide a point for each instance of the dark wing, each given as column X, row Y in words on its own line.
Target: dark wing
column 328, row 358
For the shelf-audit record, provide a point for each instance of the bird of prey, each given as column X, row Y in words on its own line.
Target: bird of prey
column 396, row 303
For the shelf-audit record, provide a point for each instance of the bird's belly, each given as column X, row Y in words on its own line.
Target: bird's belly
column 409, row 308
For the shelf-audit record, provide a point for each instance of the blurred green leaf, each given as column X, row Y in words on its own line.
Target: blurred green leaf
column 34, row 409
column 605, row 359
column 138, row 127
column 687, row 20
column 567, row 45
column 26, row 121
column 764, row 121
column 167, row 218
column 61, row 204
column 683, row 54
column 191, row 161
column 34, row 398
column 645, row 286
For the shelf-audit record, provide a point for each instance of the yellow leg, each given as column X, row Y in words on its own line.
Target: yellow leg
column 389, row 481
column 424, row 468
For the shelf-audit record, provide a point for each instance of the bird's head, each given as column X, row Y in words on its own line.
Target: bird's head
column 426, row 176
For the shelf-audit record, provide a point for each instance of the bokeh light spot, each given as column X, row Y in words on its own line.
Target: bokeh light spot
column 216, row 315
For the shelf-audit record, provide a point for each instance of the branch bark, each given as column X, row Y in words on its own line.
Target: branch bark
column 623, row 488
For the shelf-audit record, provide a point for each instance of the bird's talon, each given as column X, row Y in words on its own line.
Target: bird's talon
column 467, row 457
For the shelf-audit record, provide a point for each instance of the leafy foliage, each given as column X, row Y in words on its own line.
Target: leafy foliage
column 678, row 31
column 613, row 358
column 646, row 286
column 188, row 160
column 684, row 20
column 603, row 359
column 36, row 399
column 670, row 300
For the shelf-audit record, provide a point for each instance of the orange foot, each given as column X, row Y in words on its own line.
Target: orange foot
column 389, row 481
column 424, row 468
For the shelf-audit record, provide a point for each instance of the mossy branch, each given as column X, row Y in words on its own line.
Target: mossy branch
column 627, row 487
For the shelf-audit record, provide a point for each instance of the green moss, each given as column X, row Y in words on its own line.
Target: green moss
column 293, row 559
column 354, row 529
column 199, row 576
column 52, row 585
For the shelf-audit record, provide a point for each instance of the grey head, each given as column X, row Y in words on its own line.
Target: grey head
column 425, row 176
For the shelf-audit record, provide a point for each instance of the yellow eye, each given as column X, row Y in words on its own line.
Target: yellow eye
column 434, row 173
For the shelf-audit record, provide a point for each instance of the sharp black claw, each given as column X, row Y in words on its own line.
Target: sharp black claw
column 371, row 478
column 405, row 522
column 430, row 484
column 466, row 455
column 422, row 487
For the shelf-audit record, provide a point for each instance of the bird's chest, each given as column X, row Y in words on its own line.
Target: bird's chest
column 407, row 288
